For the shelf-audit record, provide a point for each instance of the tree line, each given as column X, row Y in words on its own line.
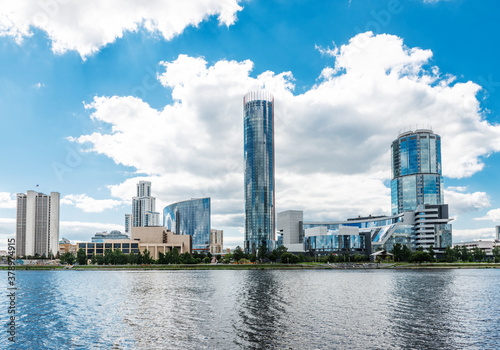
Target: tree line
column 402, row 252
column 280, row 254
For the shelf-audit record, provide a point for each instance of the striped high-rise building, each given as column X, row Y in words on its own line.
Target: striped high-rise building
column 37, row 224
column 258, row 119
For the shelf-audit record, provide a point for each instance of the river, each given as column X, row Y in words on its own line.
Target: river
column 256, row 309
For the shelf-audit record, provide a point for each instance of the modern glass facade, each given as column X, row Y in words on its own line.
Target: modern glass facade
column 416, row 171
column 259, row 170
column 335, row 243
column 191, row 217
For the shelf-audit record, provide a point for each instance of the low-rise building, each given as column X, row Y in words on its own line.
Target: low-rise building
column 428, row 225
column 155, row 239
column 485, row 245
column 65, row 246
column 158, row 239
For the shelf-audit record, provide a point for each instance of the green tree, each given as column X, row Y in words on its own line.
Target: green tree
column 237, row 254
column 186, row 258
column 450, row 255
column 81, row 257
column 162, row 258
column 140, row 258
column 68, row 258
column 289, row 258
column 146, row 257
column 206, row 260
column 478, row 254
column 274, row 255
column 406, row 253
column 431, row 251
column 252, row 258
column 262, row 251
column 397, row 252
column 120, row 257
column 132, row 258
column 281, row 249
column 496, row 253
column 420, row 256
column 100, row 259
column 465, row 254
column 227, row 258
column 175, row 258
column 109, row 257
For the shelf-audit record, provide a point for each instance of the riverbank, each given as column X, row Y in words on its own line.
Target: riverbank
column 304, row 266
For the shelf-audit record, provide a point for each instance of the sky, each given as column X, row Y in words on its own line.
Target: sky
column 97, row 95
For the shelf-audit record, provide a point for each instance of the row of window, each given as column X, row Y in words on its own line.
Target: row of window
column 108, row 245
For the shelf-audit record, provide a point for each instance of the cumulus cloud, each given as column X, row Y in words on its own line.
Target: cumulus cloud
column 89, row 204
column 462, row 202
column 332, row 141
column 492, row 215
column 86, row 26
column 487, row 233
column 7, row 200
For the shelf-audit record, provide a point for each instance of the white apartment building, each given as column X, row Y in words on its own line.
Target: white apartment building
column 37, row 223
column 143, row 209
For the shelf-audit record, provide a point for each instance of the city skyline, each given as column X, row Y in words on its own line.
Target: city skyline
column 155, row 95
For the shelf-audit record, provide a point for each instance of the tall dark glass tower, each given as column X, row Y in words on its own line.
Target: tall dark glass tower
column 416, row 170
column 259, row 170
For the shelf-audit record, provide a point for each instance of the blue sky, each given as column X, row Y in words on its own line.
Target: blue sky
column 97, row 95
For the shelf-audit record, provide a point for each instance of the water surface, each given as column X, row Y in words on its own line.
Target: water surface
column 264, row 309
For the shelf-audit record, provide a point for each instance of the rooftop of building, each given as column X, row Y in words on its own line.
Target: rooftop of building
column 259, row 95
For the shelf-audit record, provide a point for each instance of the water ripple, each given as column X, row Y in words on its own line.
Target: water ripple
column 315, row 309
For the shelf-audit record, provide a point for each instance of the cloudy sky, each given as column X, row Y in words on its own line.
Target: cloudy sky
column 97, row 95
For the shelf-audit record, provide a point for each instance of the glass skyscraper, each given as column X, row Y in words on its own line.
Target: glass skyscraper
column 416, row 170
column 191, row 217
column 259, row 170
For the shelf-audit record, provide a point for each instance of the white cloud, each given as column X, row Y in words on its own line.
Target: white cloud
column 327, row 52
column 38, row 85
column 487, row 233
column 86, row 26
column 89, row 204
column 492, row 215
column 332, row 142
column 461, row 202
column 7, row 200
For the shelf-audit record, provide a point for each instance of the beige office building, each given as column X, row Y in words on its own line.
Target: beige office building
column 158, row 239
column 155, row 239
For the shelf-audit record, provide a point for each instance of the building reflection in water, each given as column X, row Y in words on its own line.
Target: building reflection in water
column 422, row 312
column 261, row 311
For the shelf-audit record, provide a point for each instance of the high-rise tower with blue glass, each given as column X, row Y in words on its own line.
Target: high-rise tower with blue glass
column 416, row 170
column 190, row 217
column 259, row 170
